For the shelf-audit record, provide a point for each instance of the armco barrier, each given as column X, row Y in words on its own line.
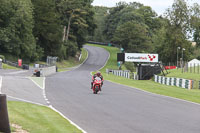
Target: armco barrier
column 122, row 73
column 183, row 83
column 47, row 70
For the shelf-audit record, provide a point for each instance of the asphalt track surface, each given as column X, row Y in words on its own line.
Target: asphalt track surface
column 18, row 87
column 117, row 109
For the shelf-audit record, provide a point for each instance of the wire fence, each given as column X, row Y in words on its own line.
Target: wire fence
column 184, row 67
column 123, row 73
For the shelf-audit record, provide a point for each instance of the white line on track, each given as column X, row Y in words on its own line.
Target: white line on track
column 44, row 93
column 104, row 64
column 147, row 91
column 0, row 83
column 25, row 100
column 36, row 83
column 76, row 67
column 71, row 122
column 50, row 106
column 18, row 72
column 43, row 89
column 155, row 93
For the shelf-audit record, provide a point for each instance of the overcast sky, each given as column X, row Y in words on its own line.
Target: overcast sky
column 159, row 6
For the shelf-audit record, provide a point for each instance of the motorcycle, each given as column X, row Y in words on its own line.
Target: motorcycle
column 97, row 85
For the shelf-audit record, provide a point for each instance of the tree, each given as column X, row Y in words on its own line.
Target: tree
column 80, row 15
column 133, row 37
column 136, row 12
column 99, row 17
column 16, row 24
column 195, row 23
column 179, row 16
column 175, row 32
column 113, row 19
column 47, row 30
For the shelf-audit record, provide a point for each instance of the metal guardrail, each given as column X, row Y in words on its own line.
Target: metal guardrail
column 104, row 43
column 15, row 64
column 122, row 73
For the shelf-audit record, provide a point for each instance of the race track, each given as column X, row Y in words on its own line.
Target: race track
column 117, row 109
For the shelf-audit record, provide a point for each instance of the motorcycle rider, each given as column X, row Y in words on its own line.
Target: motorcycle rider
column 98, row 74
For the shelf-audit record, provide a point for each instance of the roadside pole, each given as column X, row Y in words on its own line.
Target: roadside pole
column 4, row 121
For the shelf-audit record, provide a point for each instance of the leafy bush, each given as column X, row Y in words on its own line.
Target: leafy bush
column 2, row 57
column 71, row 49
column 130, row 66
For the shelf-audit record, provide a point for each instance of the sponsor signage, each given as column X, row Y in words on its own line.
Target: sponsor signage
column 140, row 57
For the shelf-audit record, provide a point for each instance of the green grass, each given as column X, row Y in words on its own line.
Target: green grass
column 38, row 119
column 5, row 66
column 147, row 85
column 112, row 63
column 38, row 80
column 37, row 62
column 41, row 119
column 66, row 65
column 71, row 62
column 187, row 75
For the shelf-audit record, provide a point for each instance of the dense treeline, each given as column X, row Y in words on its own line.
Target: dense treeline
column 34, row 29
column 137, row 28
column 100, row 15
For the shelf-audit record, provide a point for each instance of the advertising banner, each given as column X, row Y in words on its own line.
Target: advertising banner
column 141, row 57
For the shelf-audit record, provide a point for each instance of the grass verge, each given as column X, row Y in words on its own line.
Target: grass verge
column 66, row 65
column 147, row 85
column 5, row 66
column 71, row 62
column 38, row 81
column 186, row 75
column 38, row 119
column 41, row 119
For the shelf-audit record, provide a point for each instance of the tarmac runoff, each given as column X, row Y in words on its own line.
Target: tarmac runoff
column 40, row 82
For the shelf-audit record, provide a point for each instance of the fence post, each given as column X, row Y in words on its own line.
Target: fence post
column 199, row 84
column 155, row 78
column 4, row 121
column 128, row 75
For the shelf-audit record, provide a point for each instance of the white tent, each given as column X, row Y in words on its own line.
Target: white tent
column 193, row 63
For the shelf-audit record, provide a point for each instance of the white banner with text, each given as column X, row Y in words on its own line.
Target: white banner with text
column 140, row 57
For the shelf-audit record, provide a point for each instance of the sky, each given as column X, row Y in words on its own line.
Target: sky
column 159, row 6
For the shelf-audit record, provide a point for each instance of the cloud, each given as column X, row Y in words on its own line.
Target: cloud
column 159, row 6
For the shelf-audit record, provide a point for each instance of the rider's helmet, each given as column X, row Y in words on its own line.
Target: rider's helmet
column 98, row 74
